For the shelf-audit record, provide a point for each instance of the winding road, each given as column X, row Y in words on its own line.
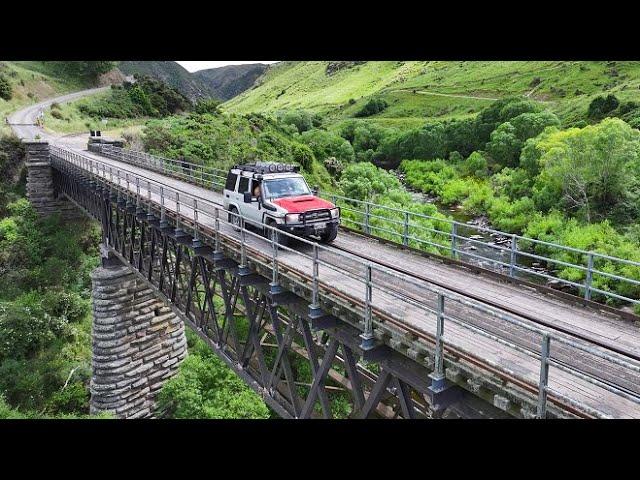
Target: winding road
column 23, row 121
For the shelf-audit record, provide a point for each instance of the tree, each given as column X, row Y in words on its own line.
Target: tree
column 504, row 146
column 6, row 91
column 592, row 172
column 506, row 141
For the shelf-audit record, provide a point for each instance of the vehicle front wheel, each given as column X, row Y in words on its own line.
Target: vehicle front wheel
column 280, row 238
column 330, row 234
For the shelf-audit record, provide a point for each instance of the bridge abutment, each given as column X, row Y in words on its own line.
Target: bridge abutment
column 40, row 187
column 138, row 343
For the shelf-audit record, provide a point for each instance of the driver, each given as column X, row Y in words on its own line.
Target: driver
column 257, row 190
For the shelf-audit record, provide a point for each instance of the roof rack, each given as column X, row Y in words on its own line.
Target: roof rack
column 265, row 167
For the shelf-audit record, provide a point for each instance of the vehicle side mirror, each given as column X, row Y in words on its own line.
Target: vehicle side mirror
column 247, row 197
column 315, row 190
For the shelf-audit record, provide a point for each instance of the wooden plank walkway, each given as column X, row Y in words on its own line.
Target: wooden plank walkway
column 529, row 302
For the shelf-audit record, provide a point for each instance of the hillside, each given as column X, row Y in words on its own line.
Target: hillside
column 223, row 83
column 170, row 73
column 227, row 82
column 418, row 90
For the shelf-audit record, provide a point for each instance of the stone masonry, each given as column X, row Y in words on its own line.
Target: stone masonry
column 138, row 344
column 40, row 189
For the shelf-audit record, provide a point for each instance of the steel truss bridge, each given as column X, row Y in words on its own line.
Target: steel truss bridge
column 407, row 335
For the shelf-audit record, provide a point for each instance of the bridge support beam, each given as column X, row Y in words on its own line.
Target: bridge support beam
column 40, row 187
column 138, row 343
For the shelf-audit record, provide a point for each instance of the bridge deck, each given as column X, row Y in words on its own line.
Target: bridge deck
column 527, row 303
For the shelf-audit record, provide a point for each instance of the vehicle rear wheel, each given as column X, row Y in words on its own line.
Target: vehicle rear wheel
column 330, row 234
column 234, row 218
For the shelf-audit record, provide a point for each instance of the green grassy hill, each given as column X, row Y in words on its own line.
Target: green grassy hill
column 437, row 89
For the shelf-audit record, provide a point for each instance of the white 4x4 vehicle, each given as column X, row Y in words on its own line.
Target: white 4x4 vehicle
column 277, row 195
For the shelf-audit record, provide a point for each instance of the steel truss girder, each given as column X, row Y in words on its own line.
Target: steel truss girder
column 256, row 332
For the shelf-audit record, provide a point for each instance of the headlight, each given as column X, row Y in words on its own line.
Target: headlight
column 335, row 212
column 292, row 218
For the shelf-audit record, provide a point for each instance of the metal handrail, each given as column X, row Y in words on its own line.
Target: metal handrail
column 178, row 166
column 129, row 185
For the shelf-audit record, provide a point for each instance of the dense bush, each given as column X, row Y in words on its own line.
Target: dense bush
column 592, row 173
column 6, row 91
column 206, row 388
column 601, row 106
column 209, row 105
column 598, row 237
column 45, row 327
column 221, row 141
column 145, row 97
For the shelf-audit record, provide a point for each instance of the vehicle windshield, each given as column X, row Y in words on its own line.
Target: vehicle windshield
column 285, row 187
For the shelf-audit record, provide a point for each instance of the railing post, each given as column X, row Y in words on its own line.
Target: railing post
column 217, row 254
column 454, row 237
column 589, row 279
column 178, row 231
column 405, row 230
column 139, row 210
column 149, row 208
column 243, row 268
column 274, row 285
column 128, row 204
column 544, row 376
column 367, row 336
column 316, row 268
column 163, row 211
column 514, row 259
column 438, row 377
column 196, row 243
column 367, row 212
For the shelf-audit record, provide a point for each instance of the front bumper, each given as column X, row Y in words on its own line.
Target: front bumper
column 306, row 229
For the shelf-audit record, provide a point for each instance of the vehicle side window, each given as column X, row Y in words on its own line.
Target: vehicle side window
column 231, row 181
column 244, row 185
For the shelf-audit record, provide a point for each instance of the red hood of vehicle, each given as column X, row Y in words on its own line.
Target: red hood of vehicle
column 303, row 203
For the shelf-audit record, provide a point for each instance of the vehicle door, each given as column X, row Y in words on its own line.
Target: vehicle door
column 245, row 208
column 255, row 210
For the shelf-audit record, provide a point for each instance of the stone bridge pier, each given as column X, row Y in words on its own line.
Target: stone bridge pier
column 41, row 191
column 138, row 342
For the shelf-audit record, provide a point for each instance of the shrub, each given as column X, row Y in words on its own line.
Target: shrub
column 6, row 92
column 57, row 114
column 209, row 105
column 601, row 106
column 303, row 120
column 474, row 166
column 303, row 155
column 373, row 106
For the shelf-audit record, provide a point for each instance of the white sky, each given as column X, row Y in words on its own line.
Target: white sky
column 195, row 66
